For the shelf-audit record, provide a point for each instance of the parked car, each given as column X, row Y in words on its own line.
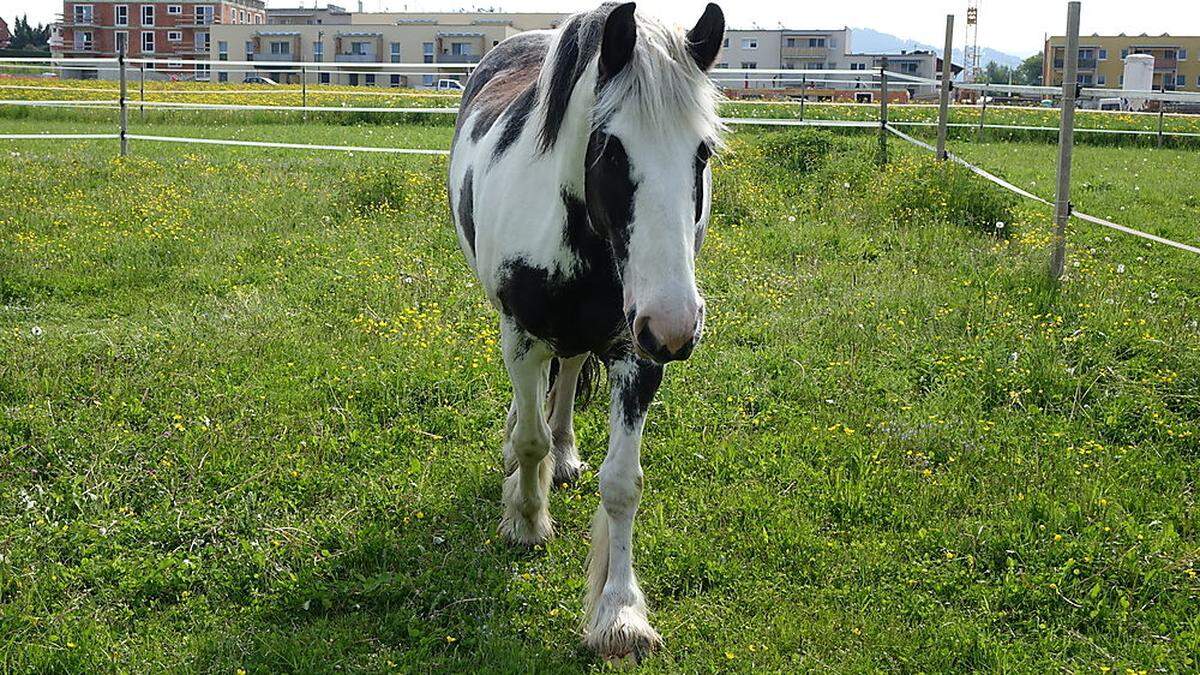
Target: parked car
column 449, row 85
column 259, row 79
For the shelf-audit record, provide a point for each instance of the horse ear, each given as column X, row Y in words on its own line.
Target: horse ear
column 704, row 40
column 620, row 34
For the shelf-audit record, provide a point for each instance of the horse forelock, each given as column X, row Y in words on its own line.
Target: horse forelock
column 662, row 80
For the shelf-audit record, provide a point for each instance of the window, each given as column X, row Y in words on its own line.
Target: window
column 460, row 48
column 147, row 42
column 427, row 80
column 222, row 50
column 369, row 79
column 318, row 51
column 749, row 65
column 281, row 47
column 725, row 43
column 222, row 76
column 83, row 40
column 202, row 71
column 174, row 9
column 360, row 48
column 395, row 51
column 174, row 36
column 427, row 51
column 322, row 78
column 749, row 43
column 1101, row 80
column 1124, row 53
column 790, row 42
column 1183, row 55
column 147, row 15
column 1103, row 55
column 204, row 15
column 249, row 50
column 353, row 79
column 201, row 42
column 122, row 40
column 83, row 14
column 121, row 15
column 858, row 66
column 816, row 42
column 395, row 81
column 241, row 16
column 1181, row 80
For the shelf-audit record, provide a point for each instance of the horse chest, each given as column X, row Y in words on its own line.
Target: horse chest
column 574, row 312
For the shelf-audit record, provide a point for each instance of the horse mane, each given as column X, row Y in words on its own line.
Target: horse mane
column 661, row 79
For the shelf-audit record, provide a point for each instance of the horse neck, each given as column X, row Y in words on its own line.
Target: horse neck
column 569, row 153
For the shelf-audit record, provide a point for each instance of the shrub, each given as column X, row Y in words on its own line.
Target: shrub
column 797, row 150
column 924, row 190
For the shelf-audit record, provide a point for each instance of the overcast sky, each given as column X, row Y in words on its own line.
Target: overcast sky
column 1013, row 26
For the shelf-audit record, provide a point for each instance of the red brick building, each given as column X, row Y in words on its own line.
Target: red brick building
column 5, row 36
column 173, row 31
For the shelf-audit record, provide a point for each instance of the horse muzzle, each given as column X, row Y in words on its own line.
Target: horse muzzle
column 668, row 337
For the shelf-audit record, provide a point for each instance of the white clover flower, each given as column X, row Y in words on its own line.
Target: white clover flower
column 1121, row 269
column 36, row 331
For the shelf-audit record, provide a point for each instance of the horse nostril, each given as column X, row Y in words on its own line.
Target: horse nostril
column 645, row 337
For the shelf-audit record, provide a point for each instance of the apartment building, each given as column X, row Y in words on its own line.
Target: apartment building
column 789, row 49
column 177, row 31
column 779, row 49
column 299, row 16
column 1102, row 60
column 368, row 38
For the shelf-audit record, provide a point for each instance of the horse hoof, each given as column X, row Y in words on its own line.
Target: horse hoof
column 623, row 635
column 567, row 475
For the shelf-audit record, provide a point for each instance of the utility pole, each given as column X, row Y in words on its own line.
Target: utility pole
column 1066, row 143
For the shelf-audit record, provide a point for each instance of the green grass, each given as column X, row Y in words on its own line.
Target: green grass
column 251, row 407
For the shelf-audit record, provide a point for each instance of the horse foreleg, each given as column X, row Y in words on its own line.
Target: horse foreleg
column 615, row 625
column 526, row 518
column 561, row 402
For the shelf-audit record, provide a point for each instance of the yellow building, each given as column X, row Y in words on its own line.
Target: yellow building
column 1102, row 60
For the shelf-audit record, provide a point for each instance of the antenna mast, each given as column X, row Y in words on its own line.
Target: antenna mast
column 971, row 44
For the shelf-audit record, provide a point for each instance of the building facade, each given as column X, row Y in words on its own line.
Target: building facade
column 1102, row 60
column 790, row 49
column 177, row 31
column 367, row 38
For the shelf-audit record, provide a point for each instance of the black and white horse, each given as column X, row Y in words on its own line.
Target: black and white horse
column 580, row 188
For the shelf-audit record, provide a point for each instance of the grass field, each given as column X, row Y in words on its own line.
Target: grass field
column 251, row 409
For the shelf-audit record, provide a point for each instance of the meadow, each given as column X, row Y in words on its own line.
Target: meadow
column 251, row 407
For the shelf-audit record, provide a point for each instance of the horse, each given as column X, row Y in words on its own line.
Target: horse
column 580, row 188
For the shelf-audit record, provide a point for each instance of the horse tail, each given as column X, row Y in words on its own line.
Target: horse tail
column 585, row 385
column 589, row 379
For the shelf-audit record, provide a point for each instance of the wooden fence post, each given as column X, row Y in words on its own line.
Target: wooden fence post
column 124, row 114
column 883, row 111
column 803, row 94
column 947, row 76
column 1066, row 143
column 142, row 91
column 983, row 110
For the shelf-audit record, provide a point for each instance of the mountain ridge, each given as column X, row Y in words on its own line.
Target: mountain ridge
column 870, row 40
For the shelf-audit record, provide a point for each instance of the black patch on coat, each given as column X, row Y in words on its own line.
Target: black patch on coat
column 698, row 164
column 636, row 395
column 574, row 310
column 466, row 208
column 610, row 192
column 517, row 117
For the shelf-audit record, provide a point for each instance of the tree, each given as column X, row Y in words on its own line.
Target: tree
column 1030, row 70
column 25, row 36
column 996, row 73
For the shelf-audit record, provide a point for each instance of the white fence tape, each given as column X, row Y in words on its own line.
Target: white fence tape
column 293, row 146
column 1029, row 195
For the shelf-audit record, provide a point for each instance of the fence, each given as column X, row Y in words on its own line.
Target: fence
column 873, row 82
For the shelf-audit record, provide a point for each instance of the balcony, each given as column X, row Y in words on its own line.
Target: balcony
column 356, row 58
column 1084, row 64
column 271, row 57
column 459, row 58
column 804, row 52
